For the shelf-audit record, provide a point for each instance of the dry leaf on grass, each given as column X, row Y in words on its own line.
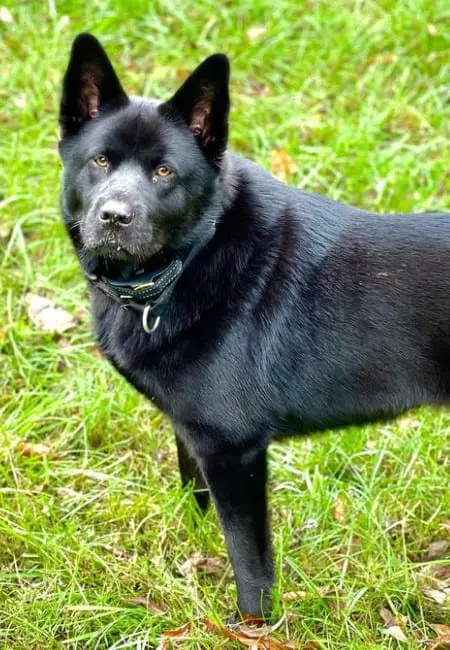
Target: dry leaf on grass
column 47, row 316
column 293, row 596
column 442, row 641
column 389, row 618
column 437, row 595
column 256, row 638
column 282, row 164
column 255, row 627
column 97, row 353
column 35, row 450
column 120, row 554
column 437, row 549
column 393, row 625
column 441, row 630
column 396, row 632
column 150, row 605
column 441, row 572
column 198, row 563
column 164, row 644
column 338, row 509
column 179, row 634
column 434, row 581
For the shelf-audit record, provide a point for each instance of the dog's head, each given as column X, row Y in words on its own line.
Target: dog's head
column 139, row 175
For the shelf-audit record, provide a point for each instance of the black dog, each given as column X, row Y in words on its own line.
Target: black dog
column 243, row 308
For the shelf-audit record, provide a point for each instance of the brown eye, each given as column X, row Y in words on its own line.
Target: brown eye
column 163, row 171
column 101, row 161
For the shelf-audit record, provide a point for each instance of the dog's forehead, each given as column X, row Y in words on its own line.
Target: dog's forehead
column 139, row 119
column 138, row 125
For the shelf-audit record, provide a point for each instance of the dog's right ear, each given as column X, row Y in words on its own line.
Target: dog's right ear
column 90, row 84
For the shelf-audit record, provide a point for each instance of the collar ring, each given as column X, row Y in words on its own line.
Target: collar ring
column 145, row 325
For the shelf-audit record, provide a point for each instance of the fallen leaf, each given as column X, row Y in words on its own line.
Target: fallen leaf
column 67, row 493
column 179, row 632
column 61, row 366
column 437, row 549
column 441, row 630
column 441, row 643
column 81, row 314
column 254, row 627
column 393, row 625
column 198, row 563
column 163, row 644
column 6, row 16
column 442, row 640
column 97, row 353
column 388, row 617
column 47, row 316
column 254, row 638
column 438, row 596
column 122, row 555
column 396, row 632
column 441, row 572
column 33, row 450
column 292, row 596
column 282, row 164
column 150, row 605
column 255, row 32
column 338, row 509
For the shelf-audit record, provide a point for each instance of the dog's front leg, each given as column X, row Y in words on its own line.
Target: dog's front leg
column 191, row 473
column 237, row 481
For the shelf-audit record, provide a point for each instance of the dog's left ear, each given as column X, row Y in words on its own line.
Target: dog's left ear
column 203, row 103
column 90, row 85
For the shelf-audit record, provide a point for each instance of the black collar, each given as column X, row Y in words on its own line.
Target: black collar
column 148, row 292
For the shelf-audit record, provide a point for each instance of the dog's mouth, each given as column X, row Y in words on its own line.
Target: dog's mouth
column 115, row 247
column 116, row 260
column 113, row 250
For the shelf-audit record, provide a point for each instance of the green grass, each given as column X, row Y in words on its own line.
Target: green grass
column 356, row 97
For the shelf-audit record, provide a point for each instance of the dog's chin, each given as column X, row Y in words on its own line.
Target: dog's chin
column 117, row 254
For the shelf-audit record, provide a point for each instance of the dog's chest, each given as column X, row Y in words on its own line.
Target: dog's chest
column 170, row 375
column 192, row 379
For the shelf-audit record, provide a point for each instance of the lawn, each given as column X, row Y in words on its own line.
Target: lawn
column 350, row 99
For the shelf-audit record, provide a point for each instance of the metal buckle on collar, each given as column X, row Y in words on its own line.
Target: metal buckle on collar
column 145, row 325
column 144, row 285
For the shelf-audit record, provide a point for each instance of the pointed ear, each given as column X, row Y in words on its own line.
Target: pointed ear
column 90, row 83
column 203, row 103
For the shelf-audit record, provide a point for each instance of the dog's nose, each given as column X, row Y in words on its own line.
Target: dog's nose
column 116, row 212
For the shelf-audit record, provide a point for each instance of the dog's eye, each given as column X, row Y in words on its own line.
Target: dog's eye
column 163, row 171
column 101, row 161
